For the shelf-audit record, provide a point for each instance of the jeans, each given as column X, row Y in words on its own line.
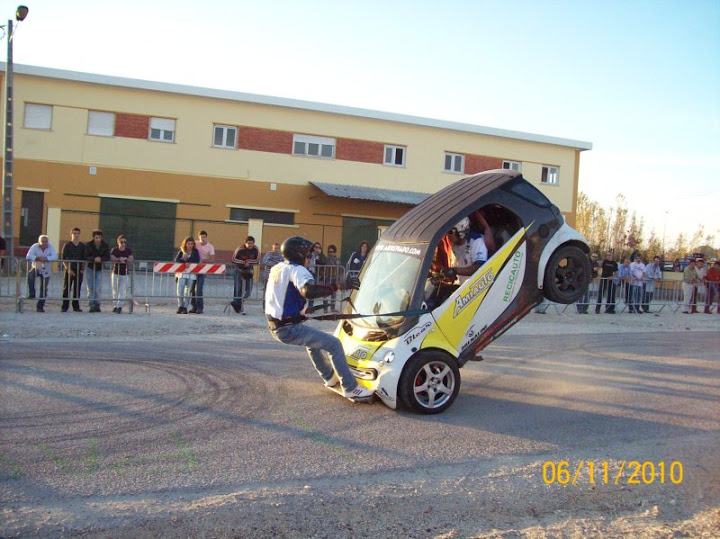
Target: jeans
column 607, row 287
column 317, row 342
column 119, row 285
column 183, row 291
column 93, row 283
column 44, row 282
column 238, row 289
column 72, row 285
column 636, row 297
column 196, row 293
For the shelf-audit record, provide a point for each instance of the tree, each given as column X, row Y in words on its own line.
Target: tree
column 654, row 246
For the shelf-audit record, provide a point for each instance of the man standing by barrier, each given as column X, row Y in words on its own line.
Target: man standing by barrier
column 608, row 269
column 637, row 279
column 96, row 253
column 712, row 279
column 689, row 286
column 41, row 254
column 121, row 257
column 73, row 257
column 653, row 275
column 245, row 258
column 207, row 253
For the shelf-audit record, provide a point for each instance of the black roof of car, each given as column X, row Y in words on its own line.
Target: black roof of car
column 455, row 201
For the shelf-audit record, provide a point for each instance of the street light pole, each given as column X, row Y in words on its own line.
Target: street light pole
column 7, row 191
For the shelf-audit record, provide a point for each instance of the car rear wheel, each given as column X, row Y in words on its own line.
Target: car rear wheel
column 567, row 275
column 430, row 382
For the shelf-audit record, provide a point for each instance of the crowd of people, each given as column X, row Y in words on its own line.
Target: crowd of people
column 637, row 282
column 84, row 262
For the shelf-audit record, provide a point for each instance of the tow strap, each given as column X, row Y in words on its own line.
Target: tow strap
column 341, row 316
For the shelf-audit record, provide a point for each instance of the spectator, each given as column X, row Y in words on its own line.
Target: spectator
column 653, row 275
column 245, row 257
column 121, row 256
column 357, row 259
column 41, row 254
column 584, row 303
column 207, row 254
column 689, row 286
column 624, row 281
column 637, row 280
column 712, row 280
column 333, row 266
column 187, row 254
column 317, row 270
column 73, row 257
column 701, row 270
column 3, row 248
column 96, row 252
column 272, row 257
column 608, row 273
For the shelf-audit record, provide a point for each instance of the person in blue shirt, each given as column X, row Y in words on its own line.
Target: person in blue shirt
column 290, row 285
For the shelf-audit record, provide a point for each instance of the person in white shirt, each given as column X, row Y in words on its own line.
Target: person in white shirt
column 289, row 287
column 637, row 278
column 41, row 253
column 207, row 254
column 468, row 253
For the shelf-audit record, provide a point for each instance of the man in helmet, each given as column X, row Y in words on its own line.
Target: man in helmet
column 468, row 253
column 290, row 284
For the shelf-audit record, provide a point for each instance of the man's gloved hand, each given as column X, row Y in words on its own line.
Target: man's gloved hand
column 449, row 273
column 352, row 283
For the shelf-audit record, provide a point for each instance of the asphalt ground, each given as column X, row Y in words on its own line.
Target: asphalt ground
column 232, row 436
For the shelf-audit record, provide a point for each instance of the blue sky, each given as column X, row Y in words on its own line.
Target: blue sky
column 638, row 79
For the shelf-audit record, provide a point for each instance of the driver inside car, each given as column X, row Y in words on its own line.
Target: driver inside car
column 468, row 253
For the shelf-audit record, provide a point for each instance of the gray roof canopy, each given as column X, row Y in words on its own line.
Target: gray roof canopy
column 370, row 193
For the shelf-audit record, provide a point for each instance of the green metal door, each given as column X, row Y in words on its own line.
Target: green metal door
column 357, row 229
column 148, row 225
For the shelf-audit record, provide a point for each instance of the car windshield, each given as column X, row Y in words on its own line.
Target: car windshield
column 388, row 283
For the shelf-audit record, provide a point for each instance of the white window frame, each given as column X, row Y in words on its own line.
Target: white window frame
column 38, row 116
column 225, row 130
column 550, row 175
column 312, row 146
column 390, row 155
column 162, row 130
column 457, row 163
column 101, row 123
column 512, row 165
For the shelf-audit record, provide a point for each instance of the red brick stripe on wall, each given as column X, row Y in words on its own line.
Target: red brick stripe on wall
column 132, row 125
column 359, row 150
column 480, row 163
column 265, row 140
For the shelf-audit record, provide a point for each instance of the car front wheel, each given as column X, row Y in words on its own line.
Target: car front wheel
column 429, row 383
column 567, row 275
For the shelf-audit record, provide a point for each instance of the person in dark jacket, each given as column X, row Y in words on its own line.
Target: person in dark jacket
column 245, row 258
column 73, row 257
column 357, row 259
column 187, row 254
column 96, row 253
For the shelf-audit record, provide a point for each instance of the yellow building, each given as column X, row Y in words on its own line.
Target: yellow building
column 159, row 162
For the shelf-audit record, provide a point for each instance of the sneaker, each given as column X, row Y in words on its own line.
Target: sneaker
column 334, row 380
column 192, row 311
column 359, row 392
column 198, row 311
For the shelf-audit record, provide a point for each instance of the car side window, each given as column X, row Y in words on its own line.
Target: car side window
column 529, row 192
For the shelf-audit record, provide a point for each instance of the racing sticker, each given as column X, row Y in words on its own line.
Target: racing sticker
column 411, row 250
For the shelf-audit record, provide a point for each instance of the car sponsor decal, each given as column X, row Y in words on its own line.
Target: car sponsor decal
column 416, row 332
column 477, row 287
column 515, row 275
column 411, row 250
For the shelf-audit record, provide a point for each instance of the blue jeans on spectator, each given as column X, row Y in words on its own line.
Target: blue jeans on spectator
column 238, row 289
column 316, row 342
column 635, row 298
column 93, row 283
column 44, row 282
column 196, row 293
column 184, row 285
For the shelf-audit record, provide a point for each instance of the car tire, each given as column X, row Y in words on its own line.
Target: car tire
column 567, row 275
column 430, row 382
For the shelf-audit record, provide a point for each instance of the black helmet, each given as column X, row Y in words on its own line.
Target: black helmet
column 296, row 248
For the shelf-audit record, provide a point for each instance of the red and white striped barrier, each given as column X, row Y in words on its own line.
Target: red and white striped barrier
column 179, row 267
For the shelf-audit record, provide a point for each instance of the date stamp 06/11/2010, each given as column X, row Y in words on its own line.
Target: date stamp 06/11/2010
column 631, row 472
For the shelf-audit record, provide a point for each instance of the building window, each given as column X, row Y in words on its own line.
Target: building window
column 101, row 123
column 455, row 162
column 314, row 146
column 225, row 136
column 275, row 217
column 512, row 165
column 550, row 175
column 38, row 116
column 162, row 129
column 395, row 156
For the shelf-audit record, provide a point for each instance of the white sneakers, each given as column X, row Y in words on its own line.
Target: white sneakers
column 359, row 392
column 333, row 381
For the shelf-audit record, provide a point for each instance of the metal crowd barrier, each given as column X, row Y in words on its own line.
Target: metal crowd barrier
column 147, row 288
